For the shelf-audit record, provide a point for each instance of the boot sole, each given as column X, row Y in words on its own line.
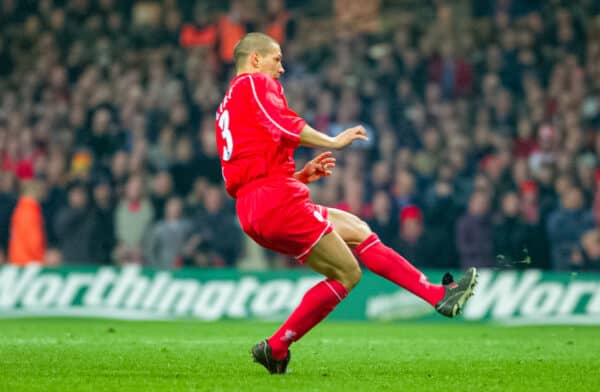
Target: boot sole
column 457, row 308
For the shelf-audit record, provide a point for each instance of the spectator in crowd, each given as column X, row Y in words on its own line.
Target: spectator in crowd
column 531, row 215
column 119, row 171
column 167, row 238
column 7, row 206
column 56, row 195
column 75, row 227
column 183, row 170
column 411, row 242
column 201, row 32
column 161, row 154
column 103, row 138
column 133, row 215
column 587, row 255
column 231, row 28
column 280, row 25
column 441, row 213
column 380, row 178
column 162, row 190
column 474, row 232
column 422, row 247
column 208, row 163
column 348, row 114
column 27, row 241
column 427, row 159
column 586, row 176
column 216, row 236
column 384, row 221
column 566, row 226
column 104, row 211
column 353, row 200
column 404, row 189
column 511, row 234
column 452, row 72
column 506, row 97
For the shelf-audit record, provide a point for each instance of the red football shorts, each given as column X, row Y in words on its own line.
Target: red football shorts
column 279, row 215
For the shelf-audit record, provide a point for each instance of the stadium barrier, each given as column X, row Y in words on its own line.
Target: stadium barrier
column 511, row 297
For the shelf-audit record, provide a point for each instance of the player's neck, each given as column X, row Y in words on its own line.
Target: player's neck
column 242, row 71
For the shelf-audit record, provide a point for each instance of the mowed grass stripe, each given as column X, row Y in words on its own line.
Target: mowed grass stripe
column 107, row 355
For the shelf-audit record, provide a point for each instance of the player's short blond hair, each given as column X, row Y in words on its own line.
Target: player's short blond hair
column 252, row 42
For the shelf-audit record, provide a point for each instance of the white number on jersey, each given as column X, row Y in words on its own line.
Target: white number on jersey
column 226, row 135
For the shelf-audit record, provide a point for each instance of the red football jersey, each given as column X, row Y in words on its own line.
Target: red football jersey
column 256, row 131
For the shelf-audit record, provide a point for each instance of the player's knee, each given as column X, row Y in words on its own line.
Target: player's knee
column 361, row 231
column 364, row 229
column 352, row 276
column 355, row 275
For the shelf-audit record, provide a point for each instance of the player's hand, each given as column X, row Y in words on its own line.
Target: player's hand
column 316, row 168
column 349, row 135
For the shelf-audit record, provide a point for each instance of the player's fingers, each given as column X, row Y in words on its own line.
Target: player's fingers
column 361, row 130
column 328, row 161
column 322, row 156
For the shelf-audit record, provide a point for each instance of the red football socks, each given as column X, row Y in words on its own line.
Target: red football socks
column 316, row 304
column 385, row 262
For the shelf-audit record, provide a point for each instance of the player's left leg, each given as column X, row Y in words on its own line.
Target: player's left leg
column 384, row 261
column 332, row 258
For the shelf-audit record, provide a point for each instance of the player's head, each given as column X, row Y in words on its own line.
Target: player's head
column 257, row 52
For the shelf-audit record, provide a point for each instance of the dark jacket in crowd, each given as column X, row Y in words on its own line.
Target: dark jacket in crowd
column 184, row 174
column 221, row 235
column 474, row 241
column 417, row 253
column 75, row 232
column 158, row 203
column 440, row 223
column 565, row 227
column 511, row 242
column 387, row 231
column 7, row 205
column 425, row 252
column 104, row 234
column 54, row 201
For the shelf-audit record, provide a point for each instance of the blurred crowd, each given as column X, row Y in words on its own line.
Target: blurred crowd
column 484, row 127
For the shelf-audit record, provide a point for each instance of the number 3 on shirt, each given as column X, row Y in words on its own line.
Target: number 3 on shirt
column 226, row 135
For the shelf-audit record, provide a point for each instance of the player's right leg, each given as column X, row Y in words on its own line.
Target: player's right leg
column 332, row 258
column 448, row 298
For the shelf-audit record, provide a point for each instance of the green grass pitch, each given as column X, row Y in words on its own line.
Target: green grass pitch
column 107, row 355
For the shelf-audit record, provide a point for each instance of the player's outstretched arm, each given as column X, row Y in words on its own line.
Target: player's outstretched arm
column 309, row 137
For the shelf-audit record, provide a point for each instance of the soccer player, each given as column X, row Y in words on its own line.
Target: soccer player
column 256, row 136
